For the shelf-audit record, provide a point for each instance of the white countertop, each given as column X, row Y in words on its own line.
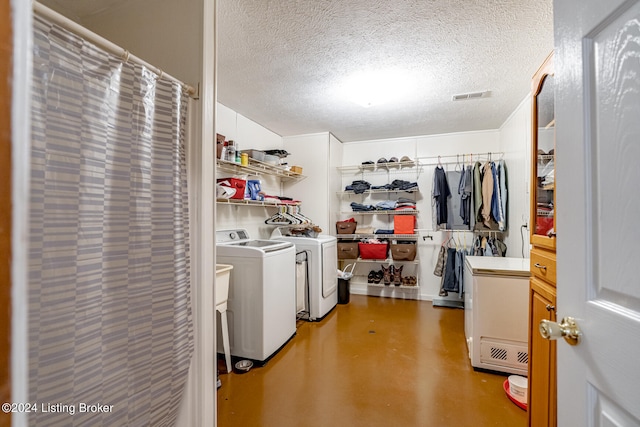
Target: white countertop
column 498, row 266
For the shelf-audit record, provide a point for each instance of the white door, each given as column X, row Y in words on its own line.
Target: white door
column 597, row 71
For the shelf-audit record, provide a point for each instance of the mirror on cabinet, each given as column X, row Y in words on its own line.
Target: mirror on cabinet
column 543, row 142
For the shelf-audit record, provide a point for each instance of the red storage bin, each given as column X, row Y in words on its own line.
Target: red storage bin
column 238, row 184
column 373, row 250
column 404, row 224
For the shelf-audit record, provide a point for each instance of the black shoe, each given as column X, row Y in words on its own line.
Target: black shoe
column 371, row 277
column 378, row 277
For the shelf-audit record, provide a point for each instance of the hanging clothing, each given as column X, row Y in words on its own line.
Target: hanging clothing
column 440, row 270
column 459, row 269
column 464, row 190
column 454, row 221
column 496, row 203
column 441, row 193
column 487, row 194
column 450, row 282
column 477, row 192
column 502, row 174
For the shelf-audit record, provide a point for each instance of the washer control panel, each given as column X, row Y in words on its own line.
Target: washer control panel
column 225, row 236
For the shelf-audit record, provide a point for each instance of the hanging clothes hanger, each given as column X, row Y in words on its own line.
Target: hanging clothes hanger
column 279, row 218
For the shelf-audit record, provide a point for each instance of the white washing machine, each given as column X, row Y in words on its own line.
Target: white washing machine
column 321, row 253
column 261, row 306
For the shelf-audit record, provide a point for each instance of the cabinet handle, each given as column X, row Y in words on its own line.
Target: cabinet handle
column 540, row 266
column 550, row 307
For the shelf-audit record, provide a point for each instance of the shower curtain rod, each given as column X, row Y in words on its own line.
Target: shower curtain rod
column 105, row 44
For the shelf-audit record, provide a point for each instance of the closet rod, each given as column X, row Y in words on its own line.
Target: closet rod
column 457, row 158
column 105, row 44
column 445, row 230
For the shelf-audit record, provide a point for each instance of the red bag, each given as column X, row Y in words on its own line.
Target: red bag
column 235, row 183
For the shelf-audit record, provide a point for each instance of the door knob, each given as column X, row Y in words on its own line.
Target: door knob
column 567, row 328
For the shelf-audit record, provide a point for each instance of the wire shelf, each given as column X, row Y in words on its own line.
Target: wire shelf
column 382, row 212
column 256, row 167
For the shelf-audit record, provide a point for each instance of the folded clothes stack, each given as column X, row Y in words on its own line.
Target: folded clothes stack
column 397, row 184
column 386, row 205
column 405, row 204
column 359, row 207
column 381, row 231
column 358, row 187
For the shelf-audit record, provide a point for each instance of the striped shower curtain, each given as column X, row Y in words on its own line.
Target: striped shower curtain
column 110, row 327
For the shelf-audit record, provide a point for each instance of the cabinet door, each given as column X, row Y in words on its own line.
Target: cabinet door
column 542, row 357
column 543, row 158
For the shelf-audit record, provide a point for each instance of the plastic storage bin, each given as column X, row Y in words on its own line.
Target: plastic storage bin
column 518, row 388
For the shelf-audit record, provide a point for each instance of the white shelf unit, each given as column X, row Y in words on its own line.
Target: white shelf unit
column 382, row 212
column 264, row 203
column 380, row 172
column 256, row 167
column 381, row 236
column 376, row 191
column 379, row 167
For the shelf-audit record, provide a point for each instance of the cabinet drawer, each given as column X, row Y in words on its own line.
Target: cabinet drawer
column 543, row 265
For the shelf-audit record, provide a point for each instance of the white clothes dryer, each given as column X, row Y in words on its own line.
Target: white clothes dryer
column 261, row 305
column 321, row 253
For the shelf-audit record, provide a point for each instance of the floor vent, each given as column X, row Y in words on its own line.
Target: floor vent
column 471, row 95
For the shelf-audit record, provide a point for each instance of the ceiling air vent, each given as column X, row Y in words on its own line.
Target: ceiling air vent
column 471, row 95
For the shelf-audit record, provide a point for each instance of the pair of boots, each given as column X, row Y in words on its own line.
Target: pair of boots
column 392, row 274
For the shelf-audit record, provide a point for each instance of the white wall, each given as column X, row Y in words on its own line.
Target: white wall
column 515, row 142
column 248, row 134
column 164, row 33
column 312, row 152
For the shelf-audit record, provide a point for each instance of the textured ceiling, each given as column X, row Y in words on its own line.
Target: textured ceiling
column 283, row 63
column 286, row 64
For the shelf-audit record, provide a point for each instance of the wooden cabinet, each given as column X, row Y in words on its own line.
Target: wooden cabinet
column 542, row 289
column 542, row 356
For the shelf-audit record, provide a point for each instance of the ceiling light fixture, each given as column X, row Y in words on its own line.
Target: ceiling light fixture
column 377, row 87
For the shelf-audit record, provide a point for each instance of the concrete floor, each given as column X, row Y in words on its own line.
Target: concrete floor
column 372, row 362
